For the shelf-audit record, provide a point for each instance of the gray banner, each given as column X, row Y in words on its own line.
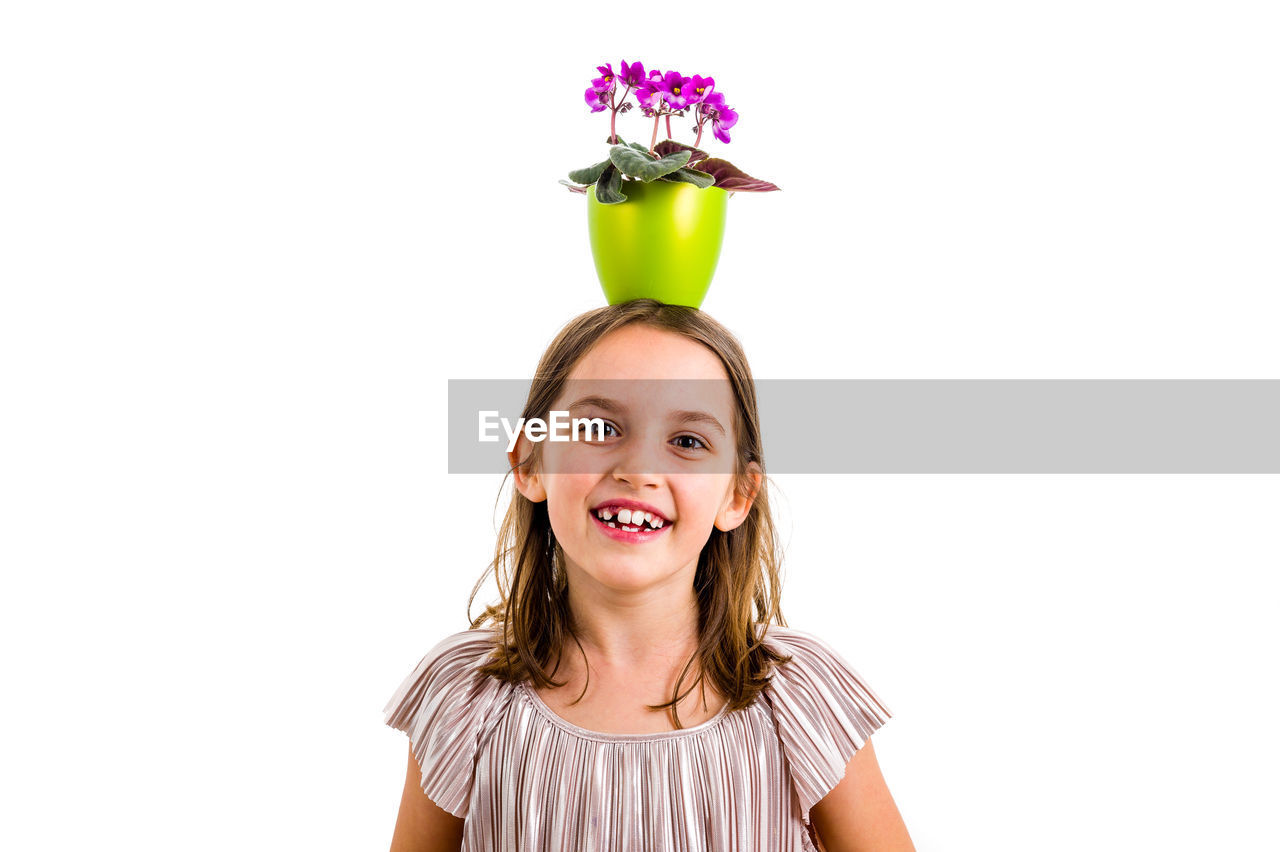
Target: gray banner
column 901, row 426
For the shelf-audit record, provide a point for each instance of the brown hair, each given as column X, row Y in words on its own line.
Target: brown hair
column 737, row 582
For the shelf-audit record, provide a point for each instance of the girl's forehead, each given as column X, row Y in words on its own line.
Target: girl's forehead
column 643, row 353
column 705, row 405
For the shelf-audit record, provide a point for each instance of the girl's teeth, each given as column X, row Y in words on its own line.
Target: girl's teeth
column 633, row 517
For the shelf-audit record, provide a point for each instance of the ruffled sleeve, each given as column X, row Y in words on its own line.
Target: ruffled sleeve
column 824, row 712
column 444, row 706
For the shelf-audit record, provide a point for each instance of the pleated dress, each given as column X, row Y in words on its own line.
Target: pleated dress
column 526, row 780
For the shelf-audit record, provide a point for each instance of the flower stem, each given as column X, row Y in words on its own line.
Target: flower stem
column 654, row 140
column 699, row 139
column 613, row 118
column 668, row 127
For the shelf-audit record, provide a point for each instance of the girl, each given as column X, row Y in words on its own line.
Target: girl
column 636, row 687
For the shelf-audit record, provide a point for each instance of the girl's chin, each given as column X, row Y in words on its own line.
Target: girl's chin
column 627, row 572
column 621, row 581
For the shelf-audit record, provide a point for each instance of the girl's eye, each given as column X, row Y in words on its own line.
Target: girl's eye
column 696, row 440
column 588, row 432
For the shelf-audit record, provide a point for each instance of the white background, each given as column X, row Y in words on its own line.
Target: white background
column 245, row 244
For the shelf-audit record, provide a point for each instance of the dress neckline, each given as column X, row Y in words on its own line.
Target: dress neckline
column 560, row 722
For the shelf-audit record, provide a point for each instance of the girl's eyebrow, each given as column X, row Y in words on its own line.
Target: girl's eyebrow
column 598, row 402
column 682, row 416
column 700, row 417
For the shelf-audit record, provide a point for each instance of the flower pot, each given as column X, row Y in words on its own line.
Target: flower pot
column 662, row 243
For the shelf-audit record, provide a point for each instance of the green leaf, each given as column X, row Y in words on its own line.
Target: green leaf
column 608, row 186
column 637, row 165
column 590, row 174
column 573, row 187
column 698, row 179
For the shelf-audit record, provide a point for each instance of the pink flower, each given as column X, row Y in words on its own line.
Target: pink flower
column 722, row 118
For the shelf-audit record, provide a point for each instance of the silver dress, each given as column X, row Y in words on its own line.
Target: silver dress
column 526, row 780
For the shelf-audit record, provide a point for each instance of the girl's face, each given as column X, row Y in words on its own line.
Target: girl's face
column 668, row 447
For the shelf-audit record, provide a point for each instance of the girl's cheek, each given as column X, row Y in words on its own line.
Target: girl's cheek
column 574, row 461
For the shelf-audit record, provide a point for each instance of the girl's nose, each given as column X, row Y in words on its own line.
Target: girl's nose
column 637, row 480
column 639, row 464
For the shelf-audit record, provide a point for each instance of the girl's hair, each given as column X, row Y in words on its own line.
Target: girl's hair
column 737, row 581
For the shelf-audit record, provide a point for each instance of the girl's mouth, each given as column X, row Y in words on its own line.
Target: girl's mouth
column 629, row 526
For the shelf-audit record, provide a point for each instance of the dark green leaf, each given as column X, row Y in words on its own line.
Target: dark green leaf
column 637, row 165
column 590, row 174
column 608, row 186
column 730, row 177
column 692, row 176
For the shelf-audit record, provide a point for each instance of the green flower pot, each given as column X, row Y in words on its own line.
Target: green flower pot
column 662, row 243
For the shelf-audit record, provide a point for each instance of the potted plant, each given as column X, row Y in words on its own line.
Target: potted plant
column 656, row 213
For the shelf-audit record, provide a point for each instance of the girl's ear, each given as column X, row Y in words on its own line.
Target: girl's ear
column 527, row 483
column 736, row 505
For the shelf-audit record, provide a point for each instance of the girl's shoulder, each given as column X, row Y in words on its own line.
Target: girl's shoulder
column 446, row 706
column 816, row 678
column 450, row 665
column 807, row 650
column 823, row 708
column 460, row 650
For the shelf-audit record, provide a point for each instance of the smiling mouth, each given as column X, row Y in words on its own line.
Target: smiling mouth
column 631, row 520
column 629, row 524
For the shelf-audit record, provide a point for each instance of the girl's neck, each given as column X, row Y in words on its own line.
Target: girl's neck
column 616, row 632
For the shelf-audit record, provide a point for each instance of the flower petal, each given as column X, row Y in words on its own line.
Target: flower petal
column 633, row 75
column 701, row 88
column 649, row 95
column 593, row 98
